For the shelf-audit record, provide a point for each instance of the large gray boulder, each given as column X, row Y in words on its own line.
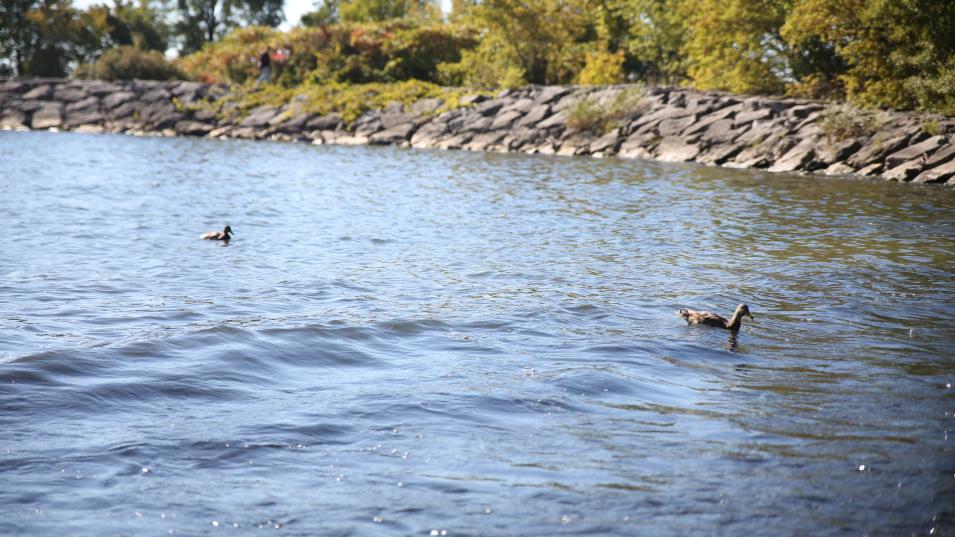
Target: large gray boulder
column 47, row 116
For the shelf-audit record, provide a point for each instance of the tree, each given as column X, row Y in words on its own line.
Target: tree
column 326, row 12
column 138, row 25
column 898, row 54
column 44, row 37
column 736, row 45
column 203, row 21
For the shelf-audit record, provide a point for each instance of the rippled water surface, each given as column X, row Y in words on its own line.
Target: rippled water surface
column 413, row 342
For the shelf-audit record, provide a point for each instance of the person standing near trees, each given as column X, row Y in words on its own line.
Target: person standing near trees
column 265, row 62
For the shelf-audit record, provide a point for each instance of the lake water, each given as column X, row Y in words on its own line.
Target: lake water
column 403, row 342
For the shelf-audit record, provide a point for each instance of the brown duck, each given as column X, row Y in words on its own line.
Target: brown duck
column 712, row 319
column 218, row 235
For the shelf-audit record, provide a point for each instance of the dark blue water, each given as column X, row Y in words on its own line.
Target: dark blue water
column 404, row 342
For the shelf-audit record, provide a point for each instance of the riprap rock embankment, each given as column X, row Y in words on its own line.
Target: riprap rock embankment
column 667, row 124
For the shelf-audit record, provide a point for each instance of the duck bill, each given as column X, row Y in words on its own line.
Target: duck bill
column 750, row 315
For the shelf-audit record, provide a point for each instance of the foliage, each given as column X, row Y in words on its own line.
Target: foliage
column 602, row 68
column 546, row 40
column 137, row 25
column 43, row 37
column 392, row 51
column 493, row 64
column 735, row 45
column 325, row 13
column 843, row 121
column 898, row 54
column 204, row 21
column 126, row 63
column 601, row 113
column 652, row 32
column 349, row 101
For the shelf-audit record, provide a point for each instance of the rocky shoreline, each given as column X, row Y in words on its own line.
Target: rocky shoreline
column 666, row 124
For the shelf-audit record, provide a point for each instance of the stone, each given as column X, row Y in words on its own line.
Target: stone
column 489, row 108
column 558, row 120
column 483, row 141
column 606, row 144
column 759, row 103
column 389, row 121
column 394, row 135
column 185, row 89
column 871, row 169
column 536, row 114
column 100, row 88
column 89, row 103
column 913, row 152
column 89, row 116
column 827, row 153
column 938, row 174
column 518, row 138
column 193, row 128
column 799, row 157
column 155, row 94
column 469, row 100
column 839, row 168
column 160, row 114
column 874, row 151
column 89, row 129
column 48, row 116
column 675, row 149
column 30, row 106
column 505, row 119
column 124, row 110
column 905, row 171
column 479, row 125
column 326, row 122
column 941, row 156
column 426, row 106
column 706, row 121
column 294, row 124
column 42, row 92
column 551, row 94
column 575, row 144
column 454, row 142
column 803, row 111
column 718, row 154
column 744, row 118
column 69, row 94
column 670, row 127
column 649, row 121
column 521, row 105
column 721, row 132
column 13, row 119
column 259, row 117
column 639, row 146
column 115, row 99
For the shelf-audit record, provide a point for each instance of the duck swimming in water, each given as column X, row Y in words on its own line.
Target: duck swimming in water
column 712, row 319
column 218, row 235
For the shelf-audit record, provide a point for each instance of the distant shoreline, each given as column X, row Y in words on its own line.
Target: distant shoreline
column 665, row 124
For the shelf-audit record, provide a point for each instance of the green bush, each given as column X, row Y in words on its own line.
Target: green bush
column 602, row 68
column 127, row 63
column 843, row 121
column 599, row 115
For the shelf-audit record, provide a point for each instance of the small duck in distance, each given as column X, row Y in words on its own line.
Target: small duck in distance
column 223, row 235
column 712, row 319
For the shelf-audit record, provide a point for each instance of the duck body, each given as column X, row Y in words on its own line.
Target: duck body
column 711, row 319
column 223, row 235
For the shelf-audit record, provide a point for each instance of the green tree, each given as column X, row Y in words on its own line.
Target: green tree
column 46, row 37
column 548, row 39
column 138, row 25
column 203, row 21
column 325, row 13
column 736, row 45
column 893, row 53
column 383, row 10
column 652, row 32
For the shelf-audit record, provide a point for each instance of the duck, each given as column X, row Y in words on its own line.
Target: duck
column 712, row 319
column 218, row 235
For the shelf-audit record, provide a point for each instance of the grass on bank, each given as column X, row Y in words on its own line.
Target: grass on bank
column 600, row 113
column 349, row 101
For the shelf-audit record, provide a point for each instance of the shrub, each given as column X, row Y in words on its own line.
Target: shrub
column 600, row 114
column 127, row 63
column 843, row 121
column 602, row 68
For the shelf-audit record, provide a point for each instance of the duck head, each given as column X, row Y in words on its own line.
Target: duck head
column 742, row 310
column 228, row 230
